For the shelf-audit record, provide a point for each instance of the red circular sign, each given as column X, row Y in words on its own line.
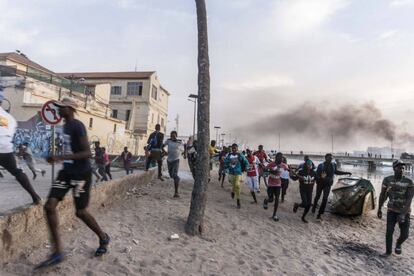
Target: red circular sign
column 50, row 113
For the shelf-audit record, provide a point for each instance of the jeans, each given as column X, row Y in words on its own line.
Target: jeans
column 285, row 186
column 101, row 171
column 173, row 169
column 404, row 229
column 306, row 191
column 324, row 187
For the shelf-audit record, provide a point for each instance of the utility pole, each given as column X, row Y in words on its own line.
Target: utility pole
column 217, row 135
column 332, row 143
column 279, row 144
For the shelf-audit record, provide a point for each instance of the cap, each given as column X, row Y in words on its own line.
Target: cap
column 397, row 163
column 68, row 102
column 309, row 162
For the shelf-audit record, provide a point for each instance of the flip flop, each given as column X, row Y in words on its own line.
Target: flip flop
column 54, row 259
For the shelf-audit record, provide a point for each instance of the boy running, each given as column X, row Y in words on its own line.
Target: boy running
column 307, row 177
column 236, row 163
column 252, row 174
column 75, row 175
column 274, row 184
column 222, row 170
column 173, row 160
column 263, row 158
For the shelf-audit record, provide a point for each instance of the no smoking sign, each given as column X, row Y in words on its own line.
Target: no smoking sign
column 50, row 113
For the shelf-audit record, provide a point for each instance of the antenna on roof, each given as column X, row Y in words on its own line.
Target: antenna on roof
column 21, row 53
column 136, row 61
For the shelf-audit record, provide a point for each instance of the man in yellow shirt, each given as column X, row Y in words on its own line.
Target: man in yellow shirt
column 212, row 150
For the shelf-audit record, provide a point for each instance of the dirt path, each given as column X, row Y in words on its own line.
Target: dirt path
column 238, row 242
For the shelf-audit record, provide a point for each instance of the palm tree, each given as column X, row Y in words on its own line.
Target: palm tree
column 195, row 219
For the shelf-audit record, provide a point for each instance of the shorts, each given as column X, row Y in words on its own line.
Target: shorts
column 253, row 183
column 273, row 192
column 173, row 168
column 80, row 185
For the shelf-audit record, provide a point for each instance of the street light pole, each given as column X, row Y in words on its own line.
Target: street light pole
column 193, row 98
column 217, row 130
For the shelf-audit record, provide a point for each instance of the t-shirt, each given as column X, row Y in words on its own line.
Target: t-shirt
column 397, row 191
column 233, row 163
column 285, row 174
column 174, row 149
column 7, row 129
column 261, row 155
column 253, row 165
column 275, row 172
column 309, row 176
column 212, row 151
column 72, row 133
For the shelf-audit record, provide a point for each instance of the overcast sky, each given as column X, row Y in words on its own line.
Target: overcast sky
column 267, row 56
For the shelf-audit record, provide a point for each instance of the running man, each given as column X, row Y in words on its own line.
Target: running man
column 154, row 142
column 76, row 175
column 252, row 180
column 191, row 151
column 324, row 180
column 307, row 178
column 399, row 189
column 107, row 163
column 264, row 160
column 173, row 152
column 274, row 184
column 126, row 157
column 236, row 164
column 212, row 150
column 222, row 169
column 99, row 161
column 25, row 153
column 7, row 129
column 285, row 180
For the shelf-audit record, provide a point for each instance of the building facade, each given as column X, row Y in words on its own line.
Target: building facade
column 136, row 97
column 29, row 85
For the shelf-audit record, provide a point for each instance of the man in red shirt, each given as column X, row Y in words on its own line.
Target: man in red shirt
column 252, row 174
column 274, row 184
column 261, row 154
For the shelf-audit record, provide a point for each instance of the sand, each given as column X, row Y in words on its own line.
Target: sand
column 237, row 242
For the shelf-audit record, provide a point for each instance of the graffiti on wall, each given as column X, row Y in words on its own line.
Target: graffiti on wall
column 36, row 134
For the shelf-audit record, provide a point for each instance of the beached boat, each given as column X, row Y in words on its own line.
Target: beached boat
column 353, row 196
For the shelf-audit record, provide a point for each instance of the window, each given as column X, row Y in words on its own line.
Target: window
column 134, row 88
column 90, row 122
column 116, row 90
column 154, row 92
column 115, row 113
column 114, row 127
column 127, row 115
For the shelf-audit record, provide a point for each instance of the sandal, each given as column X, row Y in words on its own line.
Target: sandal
column 54, row 259
column 103, row 246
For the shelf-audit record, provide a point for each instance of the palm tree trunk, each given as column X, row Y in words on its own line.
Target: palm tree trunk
column 195, row 219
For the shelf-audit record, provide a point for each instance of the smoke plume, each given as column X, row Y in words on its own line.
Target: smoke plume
column 344, row 122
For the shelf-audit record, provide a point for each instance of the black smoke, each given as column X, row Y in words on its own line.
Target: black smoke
column 345, row 122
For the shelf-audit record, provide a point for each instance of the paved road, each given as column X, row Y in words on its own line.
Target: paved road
column 12, row 194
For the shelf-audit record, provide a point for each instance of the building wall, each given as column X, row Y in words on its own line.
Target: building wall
column 146, row 110
column 26, row 101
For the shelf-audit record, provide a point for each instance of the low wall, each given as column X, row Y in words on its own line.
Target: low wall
column 24, row 228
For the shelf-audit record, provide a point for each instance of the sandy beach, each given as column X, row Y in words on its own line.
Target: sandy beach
column 237, row 242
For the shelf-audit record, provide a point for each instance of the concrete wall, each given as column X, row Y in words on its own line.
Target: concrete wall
column 23, row 229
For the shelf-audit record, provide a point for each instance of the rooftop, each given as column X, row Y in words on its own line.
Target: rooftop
column 19, row 58
column 108, row 75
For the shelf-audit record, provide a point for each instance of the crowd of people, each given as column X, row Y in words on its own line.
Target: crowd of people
column 257, row 165
column 77, row 170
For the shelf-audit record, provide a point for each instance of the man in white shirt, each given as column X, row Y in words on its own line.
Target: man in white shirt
column 7, row 129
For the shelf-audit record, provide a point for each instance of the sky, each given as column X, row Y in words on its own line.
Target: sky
column 269, row 58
